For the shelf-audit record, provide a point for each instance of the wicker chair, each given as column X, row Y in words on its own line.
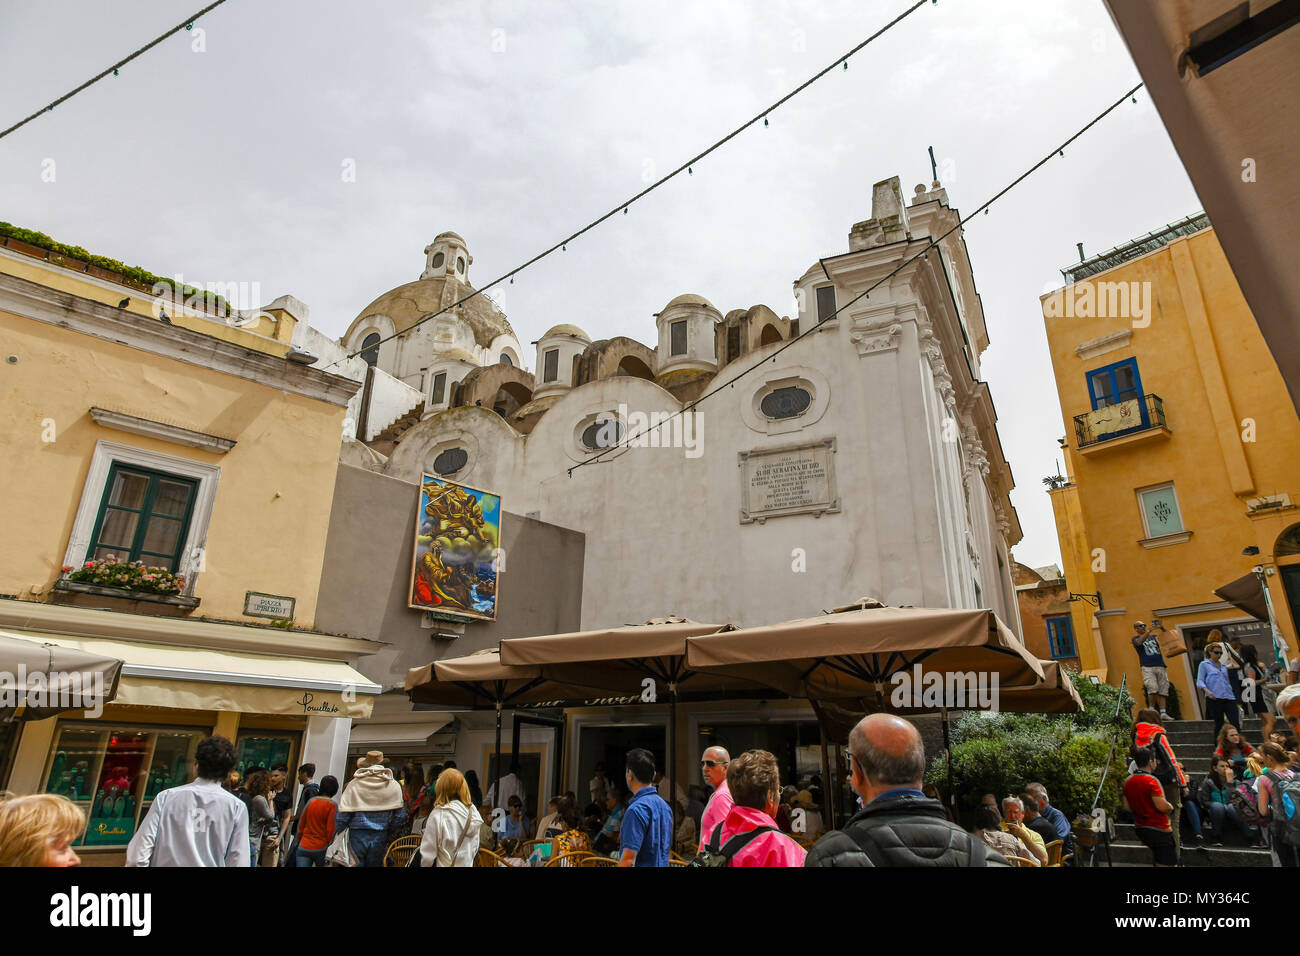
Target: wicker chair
column 524, row 849
column 401, row 850
column 597, row 861
column 1020, row 861
column 675, row 860
column 486, row 857
column 575, row 858
column 1054, row 851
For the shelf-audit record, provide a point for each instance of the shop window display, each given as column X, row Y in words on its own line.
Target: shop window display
column 264, row 752
column 113, row 773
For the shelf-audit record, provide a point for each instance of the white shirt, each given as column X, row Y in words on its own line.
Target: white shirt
column 443, row 833
column 599, row 790
column 196, row 824
column 511, row 786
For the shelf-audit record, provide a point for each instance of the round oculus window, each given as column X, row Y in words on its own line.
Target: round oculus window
column 788, row 402
column 450, row 461
column 603, row 434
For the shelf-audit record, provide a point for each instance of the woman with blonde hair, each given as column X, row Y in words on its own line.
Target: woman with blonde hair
column 39, row 830
column 452, row 832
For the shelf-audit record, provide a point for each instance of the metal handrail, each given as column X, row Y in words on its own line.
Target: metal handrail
column 1153, row 410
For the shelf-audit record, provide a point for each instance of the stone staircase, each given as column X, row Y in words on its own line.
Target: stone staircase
column 387, row 440
column 1193, row 743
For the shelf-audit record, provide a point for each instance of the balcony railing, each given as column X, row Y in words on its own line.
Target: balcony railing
column 1123, row 418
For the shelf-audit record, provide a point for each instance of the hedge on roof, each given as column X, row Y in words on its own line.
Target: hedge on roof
column 134, row 273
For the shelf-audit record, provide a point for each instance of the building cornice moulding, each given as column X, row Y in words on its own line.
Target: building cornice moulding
column 161, row 431
column 41, row 303
column 1106, row 343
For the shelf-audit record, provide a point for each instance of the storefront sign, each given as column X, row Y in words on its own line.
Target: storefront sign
column 785, row 481
column 274, row 606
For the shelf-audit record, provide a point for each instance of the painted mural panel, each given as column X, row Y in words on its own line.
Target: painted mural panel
column 457, row 543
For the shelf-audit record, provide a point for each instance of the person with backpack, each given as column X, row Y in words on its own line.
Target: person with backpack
column 1279, row 806
column 898, row 824
column 1150, row 733
column 1225, row 800
column 1152, row 813
column 749, row 835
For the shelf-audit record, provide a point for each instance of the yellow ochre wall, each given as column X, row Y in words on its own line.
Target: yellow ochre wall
column 1203, row 354
column 270, row 334
column 273, row 499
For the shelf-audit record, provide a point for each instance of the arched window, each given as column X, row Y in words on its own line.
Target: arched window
column 460, row 264
column 505, row 359
column 1288, row 542
column 438, row 260
column 370, row 348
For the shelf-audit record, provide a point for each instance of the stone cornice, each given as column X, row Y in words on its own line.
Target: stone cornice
column 41, row 303
column 161, row 430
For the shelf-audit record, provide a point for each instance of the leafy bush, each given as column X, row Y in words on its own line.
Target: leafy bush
column 134, row 273
column 133, row 576
column 1066, row 753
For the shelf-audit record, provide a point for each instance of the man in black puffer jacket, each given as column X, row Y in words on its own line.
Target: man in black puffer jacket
column 898, row 825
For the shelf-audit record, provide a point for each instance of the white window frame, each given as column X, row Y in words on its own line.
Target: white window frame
column 92, row 495
column 1142, row 510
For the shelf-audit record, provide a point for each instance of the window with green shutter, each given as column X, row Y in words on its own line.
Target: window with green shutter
column 143, row 516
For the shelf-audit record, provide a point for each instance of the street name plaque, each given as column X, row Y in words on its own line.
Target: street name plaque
column 273, row 606
column 797, row 479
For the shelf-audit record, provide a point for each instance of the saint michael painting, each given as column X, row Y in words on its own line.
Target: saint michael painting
column 457, row 548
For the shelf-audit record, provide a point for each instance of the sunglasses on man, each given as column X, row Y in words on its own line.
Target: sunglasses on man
column 706, row 764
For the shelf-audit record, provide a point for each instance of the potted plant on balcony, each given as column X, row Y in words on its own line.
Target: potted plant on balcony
column 126, row 576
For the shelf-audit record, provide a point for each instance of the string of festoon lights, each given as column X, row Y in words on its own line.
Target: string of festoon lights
column 186, row 24
column 924, row 253
column 688, row 167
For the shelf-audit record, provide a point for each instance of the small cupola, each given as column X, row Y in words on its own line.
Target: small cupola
column 447, row 257
column 556, row 351
column 688, row 337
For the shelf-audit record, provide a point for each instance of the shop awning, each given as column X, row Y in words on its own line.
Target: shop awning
column 391, row 736
column 1246, row 593
column 159, row 675
column 40, row 679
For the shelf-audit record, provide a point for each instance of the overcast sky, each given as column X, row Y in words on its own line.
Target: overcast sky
column 516, row 123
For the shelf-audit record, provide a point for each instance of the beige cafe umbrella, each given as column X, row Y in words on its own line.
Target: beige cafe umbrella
column 481, row 682
column 623, row 659
column 855, row 652
column 40, row 680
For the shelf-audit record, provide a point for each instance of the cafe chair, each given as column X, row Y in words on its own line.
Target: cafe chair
column 1020, row 861
column 575, row 858
column 525, row 849
column 486, row 857
column 597, row 861
column 1054, row 851
column 401, row 850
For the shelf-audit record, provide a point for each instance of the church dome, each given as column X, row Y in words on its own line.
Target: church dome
column 408, row 304
column 459, row 354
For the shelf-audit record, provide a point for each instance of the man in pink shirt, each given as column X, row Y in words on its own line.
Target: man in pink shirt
column 754, row 784
column 714, row 763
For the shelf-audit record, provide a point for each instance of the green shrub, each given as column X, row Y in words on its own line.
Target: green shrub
column 1002, row 753
column 135, row 273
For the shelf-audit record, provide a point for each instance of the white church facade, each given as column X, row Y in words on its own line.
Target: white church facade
column 861, row 460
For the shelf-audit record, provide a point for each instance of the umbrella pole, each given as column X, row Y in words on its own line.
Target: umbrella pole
column 672, row 753
column 947, row 759
column 496, row 776
column 828, row 788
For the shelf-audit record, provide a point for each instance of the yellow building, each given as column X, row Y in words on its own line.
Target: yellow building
column 1182, row 453
column 193, row 444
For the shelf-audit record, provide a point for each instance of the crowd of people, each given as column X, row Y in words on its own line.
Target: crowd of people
column 1252, row 791
column 739, row 815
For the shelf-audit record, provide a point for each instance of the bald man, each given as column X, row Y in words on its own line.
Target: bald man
column 898, row 824
column 713, row 764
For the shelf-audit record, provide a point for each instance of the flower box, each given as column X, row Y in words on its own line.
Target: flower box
column 182, row 602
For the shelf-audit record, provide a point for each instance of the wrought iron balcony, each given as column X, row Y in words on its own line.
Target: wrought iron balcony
column 1137, row 414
